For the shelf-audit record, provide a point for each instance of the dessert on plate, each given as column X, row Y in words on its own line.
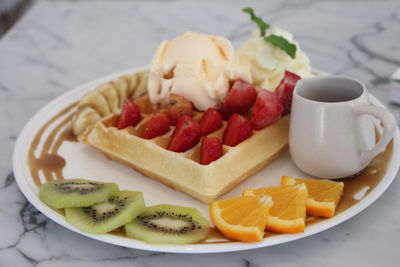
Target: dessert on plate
column 201, row 119
column 204, row 117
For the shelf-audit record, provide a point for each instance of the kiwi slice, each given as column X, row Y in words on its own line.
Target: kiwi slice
column 75, row 193
column 167, row 224
column 106, row 216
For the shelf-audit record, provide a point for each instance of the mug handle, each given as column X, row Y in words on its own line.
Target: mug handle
column 389, row 127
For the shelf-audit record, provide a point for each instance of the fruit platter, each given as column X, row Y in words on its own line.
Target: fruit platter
column 190, row 153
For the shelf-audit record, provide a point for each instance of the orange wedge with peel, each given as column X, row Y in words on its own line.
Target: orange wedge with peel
column 323, row 195
column 241, row 218
column 288, row 213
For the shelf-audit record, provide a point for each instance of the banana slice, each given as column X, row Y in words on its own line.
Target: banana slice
column 110, row 93
column 141, row 85
column 83, row 118
column 132, row 83
column 121, row 86
column 97, row 101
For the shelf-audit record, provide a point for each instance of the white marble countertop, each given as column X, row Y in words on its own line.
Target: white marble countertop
column 59, row 45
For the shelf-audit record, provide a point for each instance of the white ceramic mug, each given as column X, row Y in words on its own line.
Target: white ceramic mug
column 332, row 132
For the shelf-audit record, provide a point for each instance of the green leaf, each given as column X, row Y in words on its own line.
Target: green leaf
column 275, row 40
column 282, row 43
column 261, row 24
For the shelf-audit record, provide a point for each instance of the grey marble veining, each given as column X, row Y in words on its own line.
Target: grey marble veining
column 60, row 45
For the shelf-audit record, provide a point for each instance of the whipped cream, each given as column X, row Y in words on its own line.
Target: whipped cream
column 268, row 63
column 196, row 66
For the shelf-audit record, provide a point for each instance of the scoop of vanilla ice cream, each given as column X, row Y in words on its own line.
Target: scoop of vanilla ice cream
column 268, row 63
column 196, row 66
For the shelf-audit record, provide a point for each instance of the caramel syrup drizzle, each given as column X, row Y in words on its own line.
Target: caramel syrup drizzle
column 51, row 164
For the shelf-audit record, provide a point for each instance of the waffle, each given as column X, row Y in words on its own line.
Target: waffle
column 182, row 171
column 95, row 124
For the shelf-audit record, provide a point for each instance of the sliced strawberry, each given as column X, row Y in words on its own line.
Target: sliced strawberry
column 210, row 150
column 285, row 90
column 186, row 134
column 266, row 110
column 130, row 114
column 237, row 130
column 158, row 125
column 240, row 98
column 210, row 121
column 179, row 106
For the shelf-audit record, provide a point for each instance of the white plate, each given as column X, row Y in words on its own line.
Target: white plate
column 85, row 162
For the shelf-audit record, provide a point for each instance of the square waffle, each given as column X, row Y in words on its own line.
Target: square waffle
column 182, row 171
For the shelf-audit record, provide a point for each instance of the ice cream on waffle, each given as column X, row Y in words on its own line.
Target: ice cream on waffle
column 205, row 71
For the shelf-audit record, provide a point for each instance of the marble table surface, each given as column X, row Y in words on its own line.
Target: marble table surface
column 59, row 45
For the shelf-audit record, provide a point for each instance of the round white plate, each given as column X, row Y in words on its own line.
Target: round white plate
column 86, row 162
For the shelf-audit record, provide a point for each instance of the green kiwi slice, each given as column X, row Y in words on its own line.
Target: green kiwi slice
column 167, row 224
column 103, row 217
column 75, row 193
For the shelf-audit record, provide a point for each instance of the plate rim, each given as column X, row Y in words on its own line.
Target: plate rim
column 19, row 165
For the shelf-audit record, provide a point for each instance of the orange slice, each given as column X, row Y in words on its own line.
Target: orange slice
column 288, row 213
column 323, row 195
column 241, row 218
